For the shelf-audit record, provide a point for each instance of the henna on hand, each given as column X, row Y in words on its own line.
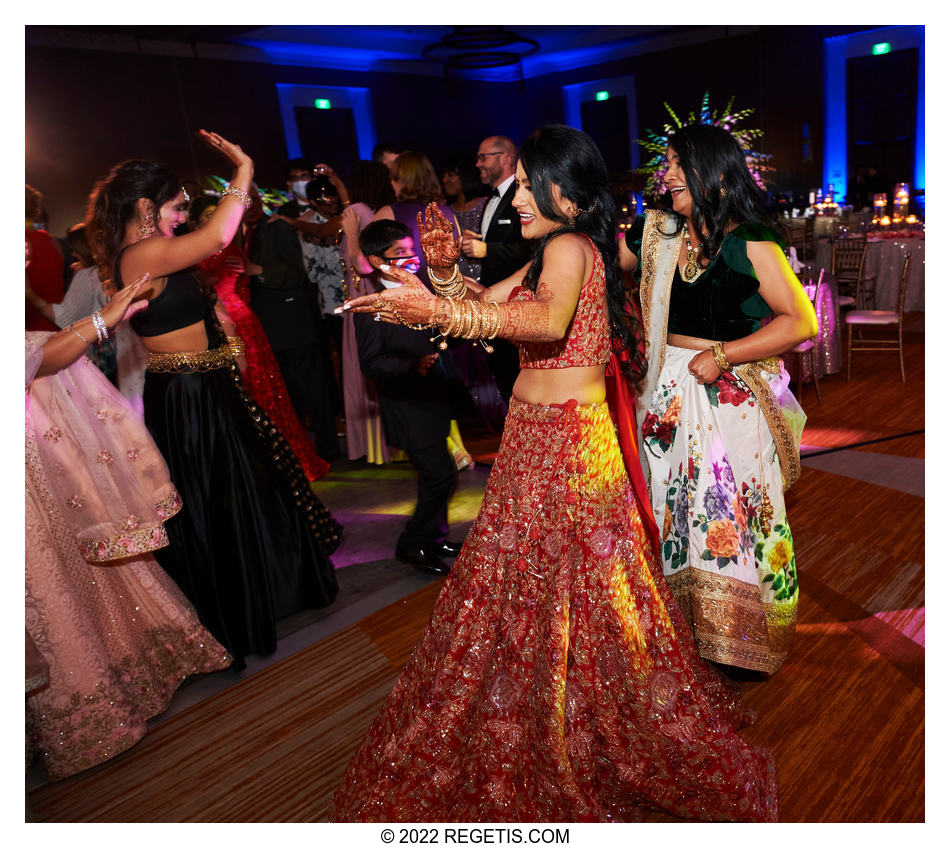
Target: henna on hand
column 529, row 322
column 437, row 237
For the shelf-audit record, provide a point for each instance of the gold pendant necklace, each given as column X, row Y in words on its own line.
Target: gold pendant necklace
column 692, row 256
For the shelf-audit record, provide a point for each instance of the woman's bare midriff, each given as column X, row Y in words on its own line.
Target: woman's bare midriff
column 689, row 342
column 559, row 385
column 188, row 339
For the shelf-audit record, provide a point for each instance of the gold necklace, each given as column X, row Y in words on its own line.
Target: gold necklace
column 692, row 257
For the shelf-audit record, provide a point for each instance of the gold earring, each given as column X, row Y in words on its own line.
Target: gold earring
column 147, row 227
column 723, row 192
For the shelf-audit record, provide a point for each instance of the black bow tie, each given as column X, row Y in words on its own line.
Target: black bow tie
column 494, row 193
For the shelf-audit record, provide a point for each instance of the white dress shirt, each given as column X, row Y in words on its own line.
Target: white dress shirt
column 492, row 203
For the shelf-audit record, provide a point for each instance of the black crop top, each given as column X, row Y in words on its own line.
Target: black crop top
column 724, row 301
column 180, row 304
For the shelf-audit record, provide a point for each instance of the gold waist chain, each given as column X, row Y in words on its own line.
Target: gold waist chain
column 189, row 362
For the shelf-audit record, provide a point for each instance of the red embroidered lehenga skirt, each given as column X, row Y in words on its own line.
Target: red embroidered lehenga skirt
column 557, row 680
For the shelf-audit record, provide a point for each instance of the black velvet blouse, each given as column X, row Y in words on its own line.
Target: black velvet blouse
column 723, row 303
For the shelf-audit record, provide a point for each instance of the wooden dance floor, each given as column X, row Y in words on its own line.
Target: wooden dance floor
column 844, row 715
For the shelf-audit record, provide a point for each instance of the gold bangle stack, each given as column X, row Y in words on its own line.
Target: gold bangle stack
column 239, row 193
column 236, row 346
column 452, row 288
column 720, row 356
column 472, row 319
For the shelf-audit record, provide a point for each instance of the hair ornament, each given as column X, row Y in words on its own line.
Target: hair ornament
column 657, row 143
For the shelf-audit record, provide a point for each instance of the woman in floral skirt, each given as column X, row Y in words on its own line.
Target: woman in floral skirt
column 720, row 429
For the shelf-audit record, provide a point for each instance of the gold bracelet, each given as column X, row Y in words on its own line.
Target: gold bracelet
column 720, row 356
column 77, row 333
column 239, row 193
column 236, row 346
column 453, row 287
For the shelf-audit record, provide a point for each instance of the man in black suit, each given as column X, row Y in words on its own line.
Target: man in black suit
column 281, row 299
column 415, row 388
column 499, row 245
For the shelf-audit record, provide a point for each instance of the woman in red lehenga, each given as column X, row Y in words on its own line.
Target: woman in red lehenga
column 116, row 634
column 557, row 680
column 262, row 377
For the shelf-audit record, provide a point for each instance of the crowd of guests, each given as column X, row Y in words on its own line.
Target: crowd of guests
column 188, row 373
column 235, row 380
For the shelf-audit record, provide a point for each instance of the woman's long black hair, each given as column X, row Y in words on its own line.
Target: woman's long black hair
column 561, row 155
column 112, row 204
column 711, row 160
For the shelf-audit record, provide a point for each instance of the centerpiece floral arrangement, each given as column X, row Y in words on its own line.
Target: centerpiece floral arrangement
column 657, row 143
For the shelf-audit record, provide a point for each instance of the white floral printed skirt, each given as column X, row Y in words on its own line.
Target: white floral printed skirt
column 716, row 489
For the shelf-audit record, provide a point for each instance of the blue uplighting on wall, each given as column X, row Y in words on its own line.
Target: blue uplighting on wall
column 837, row 51
column 290, row 96
column 574, row 95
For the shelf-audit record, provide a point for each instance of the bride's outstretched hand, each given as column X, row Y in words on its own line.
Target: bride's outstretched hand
column 437, row 237
column 234, row 153
column 412, row 301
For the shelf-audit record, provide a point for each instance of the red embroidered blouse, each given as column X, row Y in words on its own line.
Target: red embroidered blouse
column 587, row 341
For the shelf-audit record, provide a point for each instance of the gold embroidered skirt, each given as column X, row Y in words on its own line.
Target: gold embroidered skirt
column 557, row 680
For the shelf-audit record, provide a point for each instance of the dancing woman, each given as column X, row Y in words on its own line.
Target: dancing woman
column 249, row 546
column 557, row 680
column 720, row 429
column 117, row 635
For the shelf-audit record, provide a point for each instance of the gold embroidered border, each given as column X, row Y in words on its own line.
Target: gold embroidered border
column 788, row 453
column 730, row 622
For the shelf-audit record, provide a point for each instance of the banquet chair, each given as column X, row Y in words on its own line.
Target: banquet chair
column 809, row 347
column 880, row 318
column 795, row 236
column 847, row 266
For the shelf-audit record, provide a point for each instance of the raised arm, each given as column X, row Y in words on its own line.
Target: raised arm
column 162, row 256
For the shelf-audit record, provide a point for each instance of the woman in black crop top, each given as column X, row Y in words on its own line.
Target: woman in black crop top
column 251, row 544
column 720, row 430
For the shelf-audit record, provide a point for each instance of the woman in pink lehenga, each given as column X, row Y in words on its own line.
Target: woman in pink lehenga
column 558, row 679
column 117, row 634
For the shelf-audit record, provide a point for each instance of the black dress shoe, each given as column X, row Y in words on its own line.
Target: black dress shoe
column 425, row 560
column 447, row 549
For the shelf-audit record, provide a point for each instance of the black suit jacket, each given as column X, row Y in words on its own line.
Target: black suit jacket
column 281, row 296
column 506, row 249
column 415, row 410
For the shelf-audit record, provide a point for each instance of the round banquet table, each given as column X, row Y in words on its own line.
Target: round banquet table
column 882, row 270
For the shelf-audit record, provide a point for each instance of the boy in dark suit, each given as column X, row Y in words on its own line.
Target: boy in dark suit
column 414, row 386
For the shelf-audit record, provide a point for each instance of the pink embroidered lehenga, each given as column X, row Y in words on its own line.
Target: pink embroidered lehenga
column 116, row 633
column 558, row 679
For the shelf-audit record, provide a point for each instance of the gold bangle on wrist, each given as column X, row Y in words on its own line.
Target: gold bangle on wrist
column 452, row 287
column 720, row 356
column 239, row 193
column 236, row 346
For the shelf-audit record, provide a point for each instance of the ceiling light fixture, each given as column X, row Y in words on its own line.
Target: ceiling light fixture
column 478, row 47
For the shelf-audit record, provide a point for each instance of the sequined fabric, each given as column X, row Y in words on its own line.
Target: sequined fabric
column 118, row 638
column 588, row 338
column 557, row 680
